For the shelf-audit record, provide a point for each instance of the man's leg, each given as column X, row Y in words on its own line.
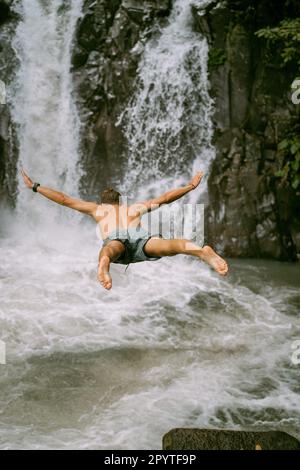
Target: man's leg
column 159, row 247
column 107, row 255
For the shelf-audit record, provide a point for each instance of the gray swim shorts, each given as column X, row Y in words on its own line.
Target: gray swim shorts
column 134, row 241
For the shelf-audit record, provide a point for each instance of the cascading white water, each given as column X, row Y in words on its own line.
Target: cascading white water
column 168, row 122
column 172, row 344
column 42, row 102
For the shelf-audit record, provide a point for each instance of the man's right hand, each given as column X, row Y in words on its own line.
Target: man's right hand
column 28, row 182
column 196, row 180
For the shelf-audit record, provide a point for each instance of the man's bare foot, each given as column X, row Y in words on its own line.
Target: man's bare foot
column 103, row 273
column 215, row 261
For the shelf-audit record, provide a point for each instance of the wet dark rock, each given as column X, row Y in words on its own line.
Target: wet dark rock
column 210, row 439
column 8, row 140
column 249, row 214
column 5, row 12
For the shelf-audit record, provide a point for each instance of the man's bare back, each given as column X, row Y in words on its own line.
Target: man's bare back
column 111, row 217
column 114, row 218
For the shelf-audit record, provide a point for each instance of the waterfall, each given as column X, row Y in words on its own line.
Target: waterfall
column 42, row 104
column 168, row 122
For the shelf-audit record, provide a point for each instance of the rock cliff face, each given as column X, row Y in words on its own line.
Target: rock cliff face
column 8, row 148
column 109, row 42
column 250, row 214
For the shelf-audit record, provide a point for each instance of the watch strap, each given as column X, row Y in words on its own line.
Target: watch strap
column 35, row 187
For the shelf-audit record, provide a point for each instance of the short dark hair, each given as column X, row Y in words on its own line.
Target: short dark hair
column 110, row 196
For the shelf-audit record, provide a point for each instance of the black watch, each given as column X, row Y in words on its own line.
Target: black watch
column 35, row 187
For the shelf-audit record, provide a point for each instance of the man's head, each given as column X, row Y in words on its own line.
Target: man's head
column 110, row 196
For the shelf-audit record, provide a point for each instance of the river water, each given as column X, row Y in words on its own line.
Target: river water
column 172, row 344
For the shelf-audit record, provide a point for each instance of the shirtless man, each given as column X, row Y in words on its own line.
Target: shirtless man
column 125, row 241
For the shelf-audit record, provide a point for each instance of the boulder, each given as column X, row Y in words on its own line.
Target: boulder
column 211, row 439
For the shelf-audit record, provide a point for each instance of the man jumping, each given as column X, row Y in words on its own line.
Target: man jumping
column 125, row 241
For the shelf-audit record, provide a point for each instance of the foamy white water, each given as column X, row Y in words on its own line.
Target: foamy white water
column 172, row 344
column 168, row 122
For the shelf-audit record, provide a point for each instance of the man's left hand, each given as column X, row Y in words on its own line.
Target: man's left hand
column 195, row 181
column 28, row 182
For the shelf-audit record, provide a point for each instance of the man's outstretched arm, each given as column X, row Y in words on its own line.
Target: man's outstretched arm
column 89, row 208
column 170, row 196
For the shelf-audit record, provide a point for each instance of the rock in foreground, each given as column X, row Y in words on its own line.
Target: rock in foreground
column 211, row 439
